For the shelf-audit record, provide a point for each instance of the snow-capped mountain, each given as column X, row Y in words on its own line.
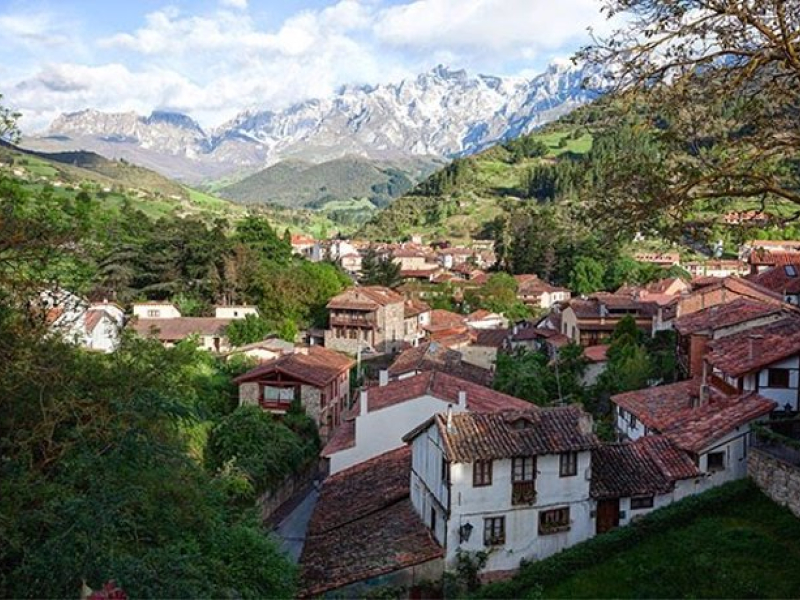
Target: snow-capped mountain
column 441, row 113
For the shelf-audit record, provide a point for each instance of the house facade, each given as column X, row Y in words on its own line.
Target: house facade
column 386, row 412
column 317, row 378
column 367, row 317
column 519, row 489
column 94, row 326
column 235, row 312
column 536, row 293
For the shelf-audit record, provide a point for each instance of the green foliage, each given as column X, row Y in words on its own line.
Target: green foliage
column 587, row 276
column 527, row 146
column 731, row 541
column 499, row 295
column 259, row 444
column 455, row 175
column 377, row 270
column 248, row 330
column 531, row 376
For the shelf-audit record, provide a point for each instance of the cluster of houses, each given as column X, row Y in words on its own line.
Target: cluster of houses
column 428, row 462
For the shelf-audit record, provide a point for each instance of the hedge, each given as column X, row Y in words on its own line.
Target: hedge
column 552, row 570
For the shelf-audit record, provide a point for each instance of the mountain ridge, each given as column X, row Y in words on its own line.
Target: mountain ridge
column 442, row 113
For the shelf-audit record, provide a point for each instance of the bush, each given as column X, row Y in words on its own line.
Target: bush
column 261, row 446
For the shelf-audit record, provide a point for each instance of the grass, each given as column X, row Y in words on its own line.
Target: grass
column 744, row 546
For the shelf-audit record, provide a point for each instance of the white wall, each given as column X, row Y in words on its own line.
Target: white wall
column 166, row 310
column 781, row 395
column 382, row 430
column 623, row 424
column 234, row 312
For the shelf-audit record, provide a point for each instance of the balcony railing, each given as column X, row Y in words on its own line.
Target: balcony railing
column 523, row 492
column 353, row 321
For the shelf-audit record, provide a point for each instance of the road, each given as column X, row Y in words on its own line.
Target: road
column 292, row 529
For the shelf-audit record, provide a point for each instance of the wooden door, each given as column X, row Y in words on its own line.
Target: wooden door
column 607, row 515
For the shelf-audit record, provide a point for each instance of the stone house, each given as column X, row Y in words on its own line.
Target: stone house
column 590, row 321
column 367, row 317
column 537, row 293
column 316, row 377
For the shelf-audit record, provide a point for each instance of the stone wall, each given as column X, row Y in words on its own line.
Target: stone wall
column 779, row 479
column 271, row 501
column 249, row 393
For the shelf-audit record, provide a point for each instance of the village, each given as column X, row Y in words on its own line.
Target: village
column 424, row 462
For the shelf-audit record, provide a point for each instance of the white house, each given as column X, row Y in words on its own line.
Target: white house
column 709, row 424
column 385, row 413
column 95, row 326
column 234, row 312
column 156, row 310
column 515, row 483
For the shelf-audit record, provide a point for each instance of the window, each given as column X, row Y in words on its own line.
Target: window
column 778, row 378
column 633, row 421
column 445, row 471
column 641, row 502
column 568, row 464
column 790, row 270
column 494, row 531
column 523, row 480
column 482, row 473
column 715, row 461
column 523, row 468
column 152, row 313
column 278, row 394
column 554, row 521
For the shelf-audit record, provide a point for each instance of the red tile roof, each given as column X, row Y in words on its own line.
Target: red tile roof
column 698, row 428
column 414, row 307
column 656, row 406
column 740, row 287
column 440, row 385
column 648, row 466
column 364, row 526
column 467, row 437
column 179, row 328
column 445, row 319
column 492, row 338
column 433, row 356
column 773, row 258
column 365, row 298
column 755, row 348
column 318, row 367
column 720, row 316
column 784, row 279
column 597, row 353
column 479, row 315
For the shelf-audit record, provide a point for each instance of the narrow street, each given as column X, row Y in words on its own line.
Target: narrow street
column 292, row 529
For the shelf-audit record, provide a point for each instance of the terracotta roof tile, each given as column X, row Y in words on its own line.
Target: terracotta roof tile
column 720, row 316
column 179, row 328
column 414, row 307
column 364, row 526
column 492, row 338
column 365, row 298
column 596, row 353
column 755, row 348
column 784, row 279
column 505, row 434
column 319, row 366
column 648, row 466
column 773, row 258
column 656, row 406
column 433, row 356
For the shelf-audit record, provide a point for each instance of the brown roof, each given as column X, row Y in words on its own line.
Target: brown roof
column 648, row 466
column 492, row 338
column 755, row 348
column 673, row 410
column 433, row 356
column 414, row 307
column 720, row 316
column 738, row 286
column 445, row 319
column 479, row 315
column 784, row 279
column 440, row 385
column 365, row 298
column 179, row 328
column 596, row 353
column 698, row 428
column 773, row 258
column 611, row 305
column 364, row 526
column 318, row 367
column 531, row 285
column 469, row 436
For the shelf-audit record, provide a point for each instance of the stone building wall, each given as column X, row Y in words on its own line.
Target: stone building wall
column 779, row 479
column 248, row 393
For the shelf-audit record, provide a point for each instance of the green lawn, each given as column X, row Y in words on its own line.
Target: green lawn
column 742, row 547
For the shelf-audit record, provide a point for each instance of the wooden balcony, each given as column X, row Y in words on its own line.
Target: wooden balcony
column 523, row 492
column 367, row 320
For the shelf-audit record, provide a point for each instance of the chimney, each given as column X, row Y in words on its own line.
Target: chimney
column 585, row 424
column 704, row 393
column 383, row 377
column 449, row 417
column 462, row 400
column 362, row 402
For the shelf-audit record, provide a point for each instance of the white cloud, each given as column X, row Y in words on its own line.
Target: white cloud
column 214, row 64
column 239, row 4
column 481, row 26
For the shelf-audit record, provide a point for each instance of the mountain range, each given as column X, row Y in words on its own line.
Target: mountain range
column 442, row 113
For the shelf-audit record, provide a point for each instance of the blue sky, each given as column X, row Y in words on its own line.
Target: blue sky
column 214, row 58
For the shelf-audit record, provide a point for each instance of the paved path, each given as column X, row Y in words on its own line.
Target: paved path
column 292, row 529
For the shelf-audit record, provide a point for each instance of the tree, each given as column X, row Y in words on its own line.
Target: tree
column 248, row 330
column 9, row 132
column 499, row 295
column 377, row 270
column 715, row 86
column 587, row 276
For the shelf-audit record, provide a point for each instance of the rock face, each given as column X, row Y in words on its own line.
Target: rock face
column 441, row 113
